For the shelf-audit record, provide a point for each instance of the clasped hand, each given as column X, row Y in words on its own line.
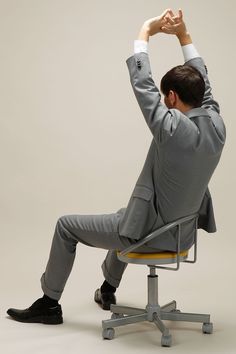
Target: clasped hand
column 167, row 22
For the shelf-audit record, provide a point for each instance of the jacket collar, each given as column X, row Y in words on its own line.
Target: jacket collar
column 196, row 112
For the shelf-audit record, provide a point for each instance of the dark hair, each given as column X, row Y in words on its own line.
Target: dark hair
column 187, row 82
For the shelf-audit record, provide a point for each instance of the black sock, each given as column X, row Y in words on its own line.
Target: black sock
column 107, row 288
column 48, row 301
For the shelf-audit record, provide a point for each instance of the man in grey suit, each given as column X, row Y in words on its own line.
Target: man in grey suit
column 188, row 138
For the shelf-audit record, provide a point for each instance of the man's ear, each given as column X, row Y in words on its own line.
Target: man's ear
column 172, row 96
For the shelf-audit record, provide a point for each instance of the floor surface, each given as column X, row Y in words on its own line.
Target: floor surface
column 205, row 287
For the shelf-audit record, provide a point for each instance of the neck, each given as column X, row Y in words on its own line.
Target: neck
column 183, row 107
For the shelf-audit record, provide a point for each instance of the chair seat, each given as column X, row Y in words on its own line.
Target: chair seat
column 152, row 258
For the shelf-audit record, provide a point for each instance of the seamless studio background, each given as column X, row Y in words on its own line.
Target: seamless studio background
column 73, row 140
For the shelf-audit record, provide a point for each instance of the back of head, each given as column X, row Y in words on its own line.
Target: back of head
column 187, row 82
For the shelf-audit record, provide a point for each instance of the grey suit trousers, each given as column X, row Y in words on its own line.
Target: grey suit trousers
column 99, row 231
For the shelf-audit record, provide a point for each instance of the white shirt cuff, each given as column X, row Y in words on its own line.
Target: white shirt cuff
column 189, row 52
column 140, row 46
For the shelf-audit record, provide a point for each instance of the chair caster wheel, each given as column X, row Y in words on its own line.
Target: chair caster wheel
column 114, row 316
column 108, row 333
column 207, row 328
column 166, row 341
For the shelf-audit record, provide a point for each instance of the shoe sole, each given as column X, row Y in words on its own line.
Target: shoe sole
column 103, row 306
column 51, row 320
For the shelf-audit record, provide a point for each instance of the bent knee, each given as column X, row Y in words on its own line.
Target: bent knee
column 64, row 222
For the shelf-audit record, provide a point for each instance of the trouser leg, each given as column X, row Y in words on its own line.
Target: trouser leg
column 93, row 230
column 113, row 268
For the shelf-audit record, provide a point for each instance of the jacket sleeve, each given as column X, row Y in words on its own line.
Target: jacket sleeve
column 161, row 121
column 208, row 100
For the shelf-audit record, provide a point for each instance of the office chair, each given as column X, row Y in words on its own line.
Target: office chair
column 122, row 315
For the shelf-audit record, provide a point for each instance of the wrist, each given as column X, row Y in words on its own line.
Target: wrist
column 144, row 33
column 184, row 38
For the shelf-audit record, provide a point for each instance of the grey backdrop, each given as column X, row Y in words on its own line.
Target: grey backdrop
column 73, row 139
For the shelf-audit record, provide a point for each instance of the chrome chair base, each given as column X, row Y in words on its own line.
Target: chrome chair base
column 123, row 315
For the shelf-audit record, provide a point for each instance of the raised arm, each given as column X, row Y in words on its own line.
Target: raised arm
column 176, row 25
column 161, row 121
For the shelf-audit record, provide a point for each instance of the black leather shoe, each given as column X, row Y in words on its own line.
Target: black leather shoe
column 38, row 313
column 104, row 299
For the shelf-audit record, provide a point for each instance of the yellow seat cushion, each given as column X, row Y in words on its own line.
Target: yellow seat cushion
column 160, row 255
column 153, row 258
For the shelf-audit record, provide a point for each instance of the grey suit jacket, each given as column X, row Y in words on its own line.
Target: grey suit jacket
column 182, row 157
